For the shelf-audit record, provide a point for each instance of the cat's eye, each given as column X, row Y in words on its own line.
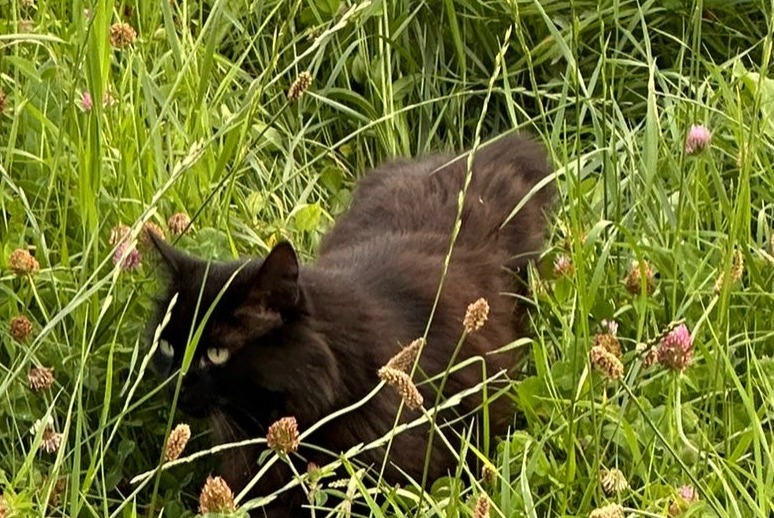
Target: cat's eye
column 218, row 355
column 166, row 348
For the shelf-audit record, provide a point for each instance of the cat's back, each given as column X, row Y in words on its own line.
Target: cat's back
column 420, row 198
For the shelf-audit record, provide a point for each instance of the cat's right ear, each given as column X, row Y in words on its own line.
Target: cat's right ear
column 171, row 257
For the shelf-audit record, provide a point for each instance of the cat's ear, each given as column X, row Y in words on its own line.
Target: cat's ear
column 277, row 277
column 172, row 258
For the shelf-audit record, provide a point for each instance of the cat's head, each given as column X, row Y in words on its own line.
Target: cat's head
column 257, row 356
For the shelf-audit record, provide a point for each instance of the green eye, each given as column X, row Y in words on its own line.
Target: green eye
column 166, row 348
column 218, row 355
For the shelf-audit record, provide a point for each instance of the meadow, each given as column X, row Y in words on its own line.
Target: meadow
column 649, row 389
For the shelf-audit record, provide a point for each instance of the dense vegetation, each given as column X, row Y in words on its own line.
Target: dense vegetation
column 184, row 109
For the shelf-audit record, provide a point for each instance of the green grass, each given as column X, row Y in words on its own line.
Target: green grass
column 202, row 124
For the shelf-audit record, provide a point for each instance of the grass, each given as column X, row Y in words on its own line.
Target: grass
column 201, row 124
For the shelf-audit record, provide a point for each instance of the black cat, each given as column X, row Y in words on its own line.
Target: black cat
column 304, row 341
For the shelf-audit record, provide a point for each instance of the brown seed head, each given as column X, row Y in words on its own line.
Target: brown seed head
column 216, row 497
column 299, row 86
column 606, row 362
column 634, row 279
column 178, row 438
column 404, row 360
column 476, row 315
column 20, row 328
column 40, row 378
column 482, row 506
column 2, row 101
column 22, row 262
column 178, row 223
column 283, row 436
column 403, row 384
column 737, row 270
column 613, row 481
column 609, row 342
column 122, row 35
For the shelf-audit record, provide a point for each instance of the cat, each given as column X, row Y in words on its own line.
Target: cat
column 304, row 341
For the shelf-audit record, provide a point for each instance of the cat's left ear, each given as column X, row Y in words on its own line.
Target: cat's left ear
column 277, row 277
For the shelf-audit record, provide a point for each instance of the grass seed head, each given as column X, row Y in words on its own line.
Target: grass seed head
column 476, row 315
column 216, row 497
column 403, row 384
column 22, row 262
column 282, row 436
column 404, row 360
column 178, row 438
column 482, row 506
column 40, row 378
column 300, row 86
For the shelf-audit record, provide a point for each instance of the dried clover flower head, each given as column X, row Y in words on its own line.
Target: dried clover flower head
column 606, row 362
column 608, row 511
column 299, row 86
column 40, row 378
column 482, row 506
column 150, row 228
column 51, row 440
column 676, row 349
column 283, row 436
column 178, row 223
column 609, row 342
column 4, row 509
column 403, row 384
column 118, row 234
column 216, row 497
column 22, row 262
column 697, row 139
column 122, row 35
column 476, row 315
column 2, row 101
column 613, row 481
column 178, row 438
column 20, row 328
column 634, row 279
column 563, row 266
column 404, row 360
